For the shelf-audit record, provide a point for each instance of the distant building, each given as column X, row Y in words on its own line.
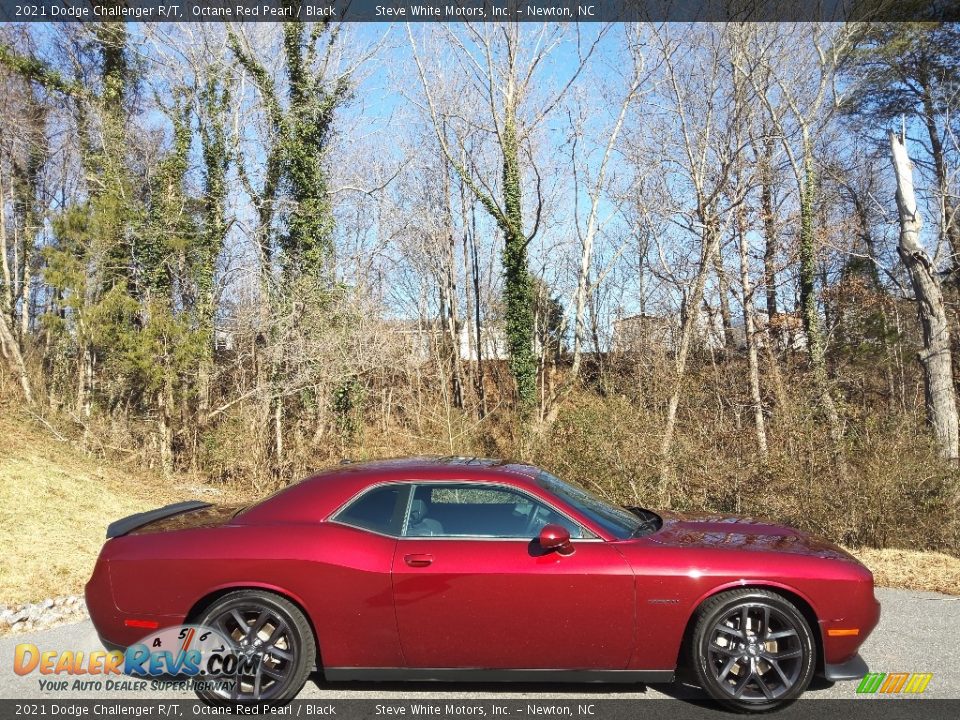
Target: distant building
column 493, row 343
column 422, row 340
column 645, row 333
column 637, row 333
column 223, row 339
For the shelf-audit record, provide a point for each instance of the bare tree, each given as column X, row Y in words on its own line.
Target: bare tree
column 502, row 64
column 704, row 147
column 798, row 107
column 598, row 217
column 9, row 347
column 749, row 330
column 936, row 356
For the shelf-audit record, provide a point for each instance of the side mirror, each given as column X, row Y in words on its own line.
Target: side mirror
column 556, row 537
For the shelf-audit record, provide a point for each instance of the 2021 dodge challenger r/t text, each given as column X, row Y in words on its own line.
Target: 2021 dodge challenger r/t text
column 470, row 569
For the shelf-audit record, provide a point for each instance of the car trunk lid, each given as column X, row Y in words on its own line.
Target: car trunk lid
column 178, row 516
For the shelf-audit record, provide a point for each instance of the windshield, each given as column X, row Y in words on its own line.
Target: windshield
column 620, row 523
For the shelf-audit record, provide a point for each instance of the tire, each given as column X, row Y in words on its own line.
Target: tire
column 752, row 650
column 276, row 634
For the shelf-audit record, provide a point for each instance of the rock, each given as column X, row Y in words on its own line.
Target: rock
column 41, row 615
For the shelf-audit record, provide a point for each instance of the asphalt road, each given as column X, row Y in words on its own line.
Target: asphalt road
column 918, row 632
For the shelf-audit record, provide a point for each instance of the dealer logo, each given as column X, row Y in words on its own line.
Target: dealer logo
column 894, row 683
column 191, row 653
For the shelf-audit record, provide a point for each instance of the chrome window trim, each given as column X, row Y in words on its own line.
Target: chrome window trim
column 499, row 485
column 487, row 538
column 333, row 517
column 362, row 529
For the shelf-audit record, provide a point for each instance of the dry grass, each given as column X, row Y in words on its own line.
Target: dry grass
column 55, row 503
column 912, row 570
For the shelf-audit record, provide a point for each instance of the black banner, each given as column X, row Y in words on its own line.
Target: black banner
column 587, row 708
column 476, row 10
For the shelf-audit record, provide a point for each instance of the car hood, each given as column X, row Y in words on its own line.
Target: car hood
column 707, row 530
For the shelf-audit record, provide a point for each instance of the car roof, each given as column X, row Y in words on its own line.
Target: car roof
column 321, row 493
column 464, row 467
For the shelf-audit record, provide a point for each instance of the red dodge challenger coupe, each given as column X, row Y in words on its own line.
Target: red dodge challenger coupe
column 473, row 569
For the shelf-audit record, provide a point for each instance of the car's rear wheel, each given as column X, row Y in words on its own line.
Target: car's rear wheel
column 274, row 638
column 752, row 650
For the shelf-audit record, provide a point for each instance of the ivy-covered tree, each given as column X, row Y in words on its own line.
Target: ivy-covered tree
column 27, row 194
column 96, row 238
column 296, row 161
column 167, row 231
column 503, row 82
column 206, row 249
column 307, row 243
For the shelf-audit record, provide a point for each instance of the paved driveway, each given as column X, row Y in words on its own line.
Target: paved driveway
column 918, row 632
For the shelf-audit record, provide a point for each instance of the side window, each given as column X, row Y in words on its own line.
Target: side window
column 380, row 509
column 463, row 510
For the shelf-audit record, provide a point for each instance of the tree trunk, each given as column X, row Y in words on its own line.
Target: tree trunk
column 869, row 244
column 7, row 308
column 518, row 285
column 711, row 240
column 753, row 365
column 723, row 289
column 278, row 431
column 936, row 356
column 471, row 258
column 165, row 430
column 25, row 299
column 449, row 295
column 81, row 381
column 769, row 229
column 12, row 351
column 450, row 345
column 808, row 298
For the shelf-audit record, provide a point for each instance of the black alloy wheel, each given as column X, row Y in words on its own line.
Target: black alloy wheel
column 273, row 642
column 753, row 650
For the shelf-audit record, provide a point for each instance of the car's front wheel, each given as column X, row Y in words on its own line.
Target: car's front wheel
column 752, row 650
column 272, row 638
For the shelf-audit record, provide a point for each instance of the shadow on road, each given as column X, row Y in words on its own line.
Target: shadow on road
column 463, row 688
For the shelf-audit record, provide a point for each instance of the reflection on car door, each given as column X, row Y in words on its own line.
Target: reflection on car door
column 465, row 600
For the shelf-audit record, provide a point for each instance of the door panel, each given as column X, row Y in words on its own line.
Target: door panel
column 504, row 604
column 353, row 605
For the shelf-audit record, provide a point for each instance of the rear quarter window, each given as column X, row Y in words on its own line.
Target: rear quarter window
column 379, row 509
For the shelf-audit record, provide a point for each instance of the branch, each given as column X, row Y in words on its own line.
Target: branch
column 536, row 222
column 261, row 77
column 485, row 199
column 35, row 70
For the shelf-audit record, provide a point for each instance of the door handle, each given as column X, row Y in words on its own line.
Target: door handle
column 418, row 560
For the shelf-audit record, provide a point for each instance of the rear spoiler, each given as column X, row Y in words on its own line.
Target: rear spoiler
column 132, row 522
